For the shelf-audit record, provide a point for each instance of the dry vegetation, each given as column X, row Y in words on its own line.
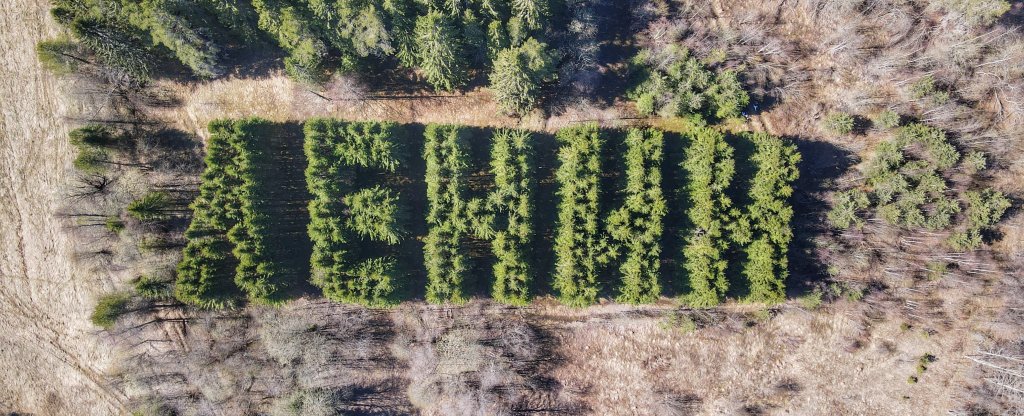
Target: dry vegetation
column 901, row 325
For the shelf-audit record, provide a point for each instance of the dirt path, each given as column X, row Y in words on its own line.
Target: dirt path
column 50, row 357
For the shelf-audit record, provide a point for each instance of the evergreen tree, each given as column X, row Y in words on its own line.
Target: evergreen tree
column 519, row 74
column 445, row 152
column 440, row 50
column 512, row 203
column 710, row 167
column 635, row 228
column 579, row 246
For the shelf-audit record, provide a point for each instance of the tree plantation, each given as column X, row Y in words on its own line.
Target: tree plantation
column 480, row 186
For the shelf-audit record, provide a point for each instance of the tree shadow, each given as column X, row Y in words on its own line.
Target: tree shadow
column 673, row 281
column 821, row 164
column 289, row 201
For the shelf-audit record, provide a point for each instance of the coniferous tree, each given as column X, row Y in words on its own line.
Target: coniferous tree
column 635, row 228
column 770, row 214
column 710, row 167
column 512, row 203
column 440, row 50
column 579, row 246
column 519, row 75
column 445, row 152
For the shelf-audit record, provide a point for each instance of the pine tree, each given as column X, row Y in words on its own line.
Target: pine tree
column 578, row 241
column 440, row 50
column 637, row 226
column 512, row 202
column 710, row 167
column 445, row 152
column 519, row 74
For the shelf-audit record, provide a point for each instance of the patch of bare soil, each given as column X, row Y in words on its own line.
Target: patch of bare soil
column 51, row 360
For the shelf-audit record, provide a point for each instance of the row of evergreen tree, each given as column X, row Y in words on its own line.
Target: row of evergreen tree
column 347, row 223
column 357, row 220
column 447, row 41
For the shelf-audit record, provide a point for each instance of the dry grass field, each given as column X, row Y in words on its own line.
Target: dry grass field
column 52, row 360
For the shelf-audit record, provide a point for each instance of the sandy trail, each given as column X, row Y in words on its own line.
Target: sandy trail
column 50, row 355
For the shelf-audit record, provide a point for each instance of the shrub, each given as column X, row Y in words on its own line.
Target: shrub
column 887, row 119
column 838, row 123
column 108, row 309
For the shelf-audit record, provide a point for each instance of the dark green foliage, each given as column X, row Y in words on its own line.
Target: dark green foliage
column 675, row 83
column 440, row 51
column 207, row 265
column 770, row 214
column 838, row 123
column 187, row 31
column 114, row 224
column 710, row 167
column 108, row 309
column 340, row 215
column 94, row 135
column 115, row 45
column 152, row 288
column 445, row 151
column 519, row 74
column 578, row 241
column 238, row 16
column 295, row 32
column 257, row 272
column 367, row 145
column 512, row 204
column 635, row 229
column 93, row 160
column 60, row 56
